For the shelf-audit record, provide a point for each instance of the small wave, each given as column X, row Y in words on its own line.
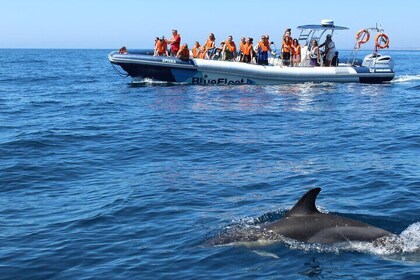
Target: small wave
column 152, row 82
column 407, row 243
column 415, row 88
column 406, row 78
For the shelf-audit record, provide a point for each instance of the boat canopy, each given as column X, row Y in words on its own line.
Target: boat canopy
column 321, row 27
column 317, row 31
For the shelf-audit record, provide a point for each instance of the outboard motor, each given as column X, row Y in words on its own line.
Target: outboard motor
column 378, row 61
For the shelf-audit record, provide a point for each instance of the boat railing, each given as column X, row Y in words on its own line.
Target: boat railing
column 357, row 46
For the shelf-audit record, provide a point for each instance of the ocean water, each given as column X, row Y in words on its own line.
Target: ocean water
column 103, row 178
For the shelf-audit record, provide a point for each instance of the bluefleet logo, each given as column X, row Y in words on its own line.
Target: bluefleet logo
column 220, row 81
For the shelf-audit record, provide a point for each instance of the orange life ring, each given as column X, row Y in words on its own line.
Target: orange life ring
column 362, row 37
column 382, row 38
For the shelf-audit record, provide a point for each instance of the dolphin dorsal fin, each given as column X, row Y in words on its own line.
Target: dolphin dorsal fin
column 306, row 204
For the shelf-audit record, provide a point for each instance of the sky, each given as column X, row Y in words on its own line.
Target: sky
column 105, row 24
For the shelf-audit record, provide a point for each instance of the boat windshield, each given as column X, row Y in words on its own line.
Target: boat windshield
column 317, row 32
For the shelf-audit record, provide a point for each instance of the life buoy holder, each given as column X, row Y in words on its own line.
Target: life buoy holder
column 382, row 38
column 362, row 37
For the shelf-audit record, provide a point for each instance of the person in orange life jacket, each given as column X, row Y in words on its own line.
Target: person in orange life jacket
column 175, row 42
column 286, row 50
column 196, row 49
column 263, row 49
column 210, row 45
column 247, row 51
column 296, row 53
column 241, row 48
column 202, row 53
column 183, row 52
column 287, row 32
column 161, row 47
column 229, row 49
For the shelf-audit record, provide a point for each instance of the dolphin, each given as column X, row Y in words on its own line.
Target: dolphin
column 306, row 224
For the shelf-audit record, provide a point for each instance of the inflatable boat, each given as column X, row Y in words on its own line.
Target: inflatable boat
column 375, row 68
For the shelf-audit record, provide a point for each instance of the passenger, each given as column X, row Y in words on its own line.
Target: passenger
column 175, row 42
column 202, row 53
column 183, row 53
column 247, row 51
column 335, row 61
column 329, row 50
column 286, row 50
column 156, row 40
column 196, row 49
column 161, row 47
column 242, row 45
column 263, row 49
column 123, row 50
column 210, row 45
column 218, row 52
column 229, row 49
column 314, row 54
column 253, row 53
column 287, row 32
column 296, row 53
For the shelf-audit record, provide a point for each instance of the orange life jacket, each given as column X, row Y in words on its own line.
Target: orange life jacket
column 209, row 44
column 264, row 46
column 195, row 51
column 176, row 42
column 202, row 54
column 287, row 46
column 247, row 49
column 231, row 46
column 161, row 47
column 242, row 46
column 184, row 53
column 296, row 49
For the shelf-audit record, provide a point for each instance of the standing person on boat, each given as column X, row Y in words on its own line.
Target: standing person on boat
column 314, row 54
column 329, row 50
column 175, row 42
column 286, row 50
column 229, row 49
column 210, row 45
column 287, row 32
column 183, row 53
column 263, row 49
column 161, row 47
column 296, row 53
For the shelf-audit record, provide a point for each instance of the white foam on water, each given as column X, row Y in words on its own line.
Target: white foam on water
column 266, row 254
column 406, row 78
column 149, row 81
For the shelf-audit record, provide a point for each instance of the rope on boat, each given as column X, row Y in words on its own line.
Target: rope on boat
column 124, row 75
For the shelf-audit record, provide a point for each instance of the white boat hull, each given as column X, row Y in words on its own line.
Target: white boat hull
column 214, row 72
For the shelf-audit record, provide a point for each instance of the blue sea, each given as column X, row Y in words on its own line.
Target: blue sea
column 105, row 178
